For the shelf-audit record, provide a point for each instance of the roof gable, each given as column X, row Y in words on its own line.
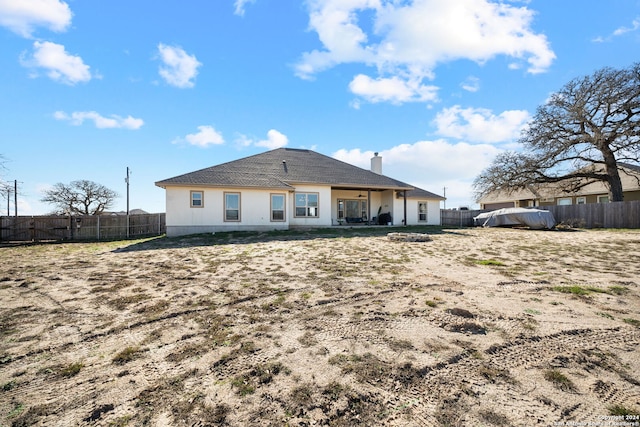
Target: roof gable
column 282, row 168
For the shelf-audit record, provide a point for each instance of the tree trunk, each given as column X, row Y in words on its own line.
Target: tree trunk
column 614, row 181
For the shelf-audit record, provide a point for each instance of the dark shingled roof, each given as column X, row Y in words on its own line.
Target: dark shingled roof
column 285, row 167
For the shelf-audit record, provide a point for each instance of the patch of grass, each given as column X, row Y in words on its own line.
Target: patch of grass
column 620, row 410
column 71, row 370
column 575, row 290
column 489, row 262
column 494, row 375
column 366, row 368
column 633, row 322
column 586, row 290
column 399, row 345
column 461, row 312
column 618, row 290
column 120, row 421
column 308, row 339
column 247, row 383
column 126, row 355
column 123, row 302
column 17, row 410
column 451, row 413
column 494, row 418
column 532, row 311
column 559, row 380
column 9, row 386
column 605, row 315
column 216, row 414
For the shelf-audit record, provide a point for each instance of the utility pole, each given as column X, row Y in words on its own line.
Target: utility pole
column 127, row 181
column 15, row 195
column 444, row 190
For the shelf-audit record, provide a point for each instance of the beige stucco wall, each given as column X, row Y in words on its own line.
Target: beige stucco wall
column 255, row 209
column 433, row 212
column 324, row 206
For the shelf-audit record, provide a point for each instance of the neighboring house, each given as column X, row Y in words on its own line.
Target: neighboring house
column 131, row 212
column 288, row 188
column 550, row 194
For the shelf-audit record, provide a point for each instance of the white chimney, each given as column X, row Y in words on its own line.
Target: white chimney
column 376, row 164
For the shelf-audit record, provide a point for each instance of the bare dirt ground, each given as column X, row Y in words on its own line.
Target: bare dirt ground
column 477, row 327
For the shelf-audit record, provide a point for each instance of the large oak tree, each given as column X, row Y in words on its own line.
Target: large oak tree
column 579, row 136
column 80, row 197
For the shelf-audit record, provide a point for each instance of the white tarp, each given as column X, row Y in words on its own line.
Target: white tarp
column 533, row 218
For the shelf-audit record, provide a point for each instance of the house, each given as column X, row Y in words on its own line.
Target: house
column 290, row 188
column 550, row 194
column 124, row 213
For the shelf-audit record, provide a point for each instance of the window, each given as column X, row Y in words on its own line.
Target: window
column 564, row 201
column 581, row 200
column 277, row 207
column 307, row 205
column 340, row 209
column 232, row 206
column 197, row 199
column 352, row 209
column 603, row 199
column 422, row 211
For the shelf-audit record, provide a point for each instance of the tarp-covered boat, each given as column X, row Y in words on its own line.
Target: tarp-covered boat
column 536, row 219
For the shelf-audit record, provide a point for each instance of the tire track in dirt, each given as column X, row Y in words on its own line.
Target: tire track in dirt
column 524, row 352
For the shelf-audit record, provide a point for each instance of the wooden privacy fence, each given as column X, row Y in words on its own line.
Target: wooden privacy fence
column 458, row 218
column 598, row 215
column 99, row 227
column 590, row 215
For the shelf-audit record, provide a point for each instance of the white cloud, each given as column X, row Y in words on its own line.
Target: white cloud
column 620, row 31
column 275, row 139
column 179, row 68
column 206, row 136
column 408, row 40
column 59, row 65
column 240, row 6
column 113, row 122
column 635, row 25
column 23, row 16
column 431, row 165
column 471, row 84
column 481, row 125
column 393, row 89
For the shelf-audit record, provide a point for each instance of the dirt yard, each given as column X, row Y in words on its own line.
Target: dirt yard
column 477, row 327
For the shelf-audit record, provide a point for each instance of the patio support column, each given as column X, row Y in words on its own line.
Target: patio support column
column 368, row 206
column 404, row 196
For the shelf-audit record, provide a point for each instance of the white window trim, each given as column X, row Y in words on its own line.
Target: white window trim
column 284, row 207
column 295, row 205
column 224, row 213
column 426, row 212
column 191, row 193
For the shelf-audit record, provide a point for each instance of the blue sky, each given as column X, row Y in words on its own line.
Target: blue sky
column 437, row 87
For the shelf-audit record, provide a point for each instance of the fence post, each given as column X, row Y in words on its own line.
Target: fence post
column 98, row 226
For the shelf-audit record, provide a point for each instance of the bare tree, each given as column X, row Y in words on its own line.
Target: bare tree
column 80, row 197
column 578, row 137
